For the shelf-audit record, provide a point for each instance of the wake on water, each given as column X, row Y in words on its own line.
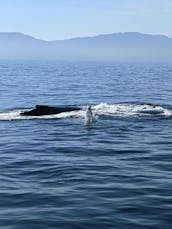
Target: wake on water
column 89, row 114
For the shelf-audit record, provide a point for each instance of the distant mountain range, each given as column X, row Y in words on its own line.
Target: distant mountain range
column 130, row 46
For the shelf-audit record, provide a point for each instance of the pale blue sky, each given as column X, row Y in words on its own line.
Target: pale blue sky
column 59, row 19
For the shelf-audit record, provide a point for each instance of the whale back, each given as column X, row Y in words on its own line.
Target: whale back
column 48, row 110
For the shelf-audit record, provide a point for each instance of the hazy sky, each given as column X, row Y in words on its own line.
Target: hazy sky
column 59, row 19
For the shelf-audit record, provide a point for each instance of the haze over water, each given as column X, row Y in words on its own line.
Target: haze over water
column 58, row 172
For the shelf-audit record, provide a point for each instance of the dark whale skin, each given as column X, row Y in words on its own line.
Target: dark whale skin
column 48, row 110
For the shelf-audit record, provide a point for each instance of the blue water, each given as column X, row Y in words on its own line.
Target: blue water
column 58, row 172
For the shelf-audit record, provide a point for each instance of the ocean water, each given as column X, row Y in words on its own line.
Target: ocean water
column 60, row 171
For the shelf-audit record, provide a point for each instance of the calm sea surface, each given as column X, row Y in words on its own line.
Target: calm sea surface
column 58, row 171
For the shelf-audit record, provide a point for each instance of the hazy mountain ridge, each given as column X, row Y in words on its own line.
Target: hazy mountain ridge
column 129, row 46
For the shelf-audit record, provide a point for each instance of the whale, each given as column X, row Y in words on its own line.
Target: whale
column 40, row 110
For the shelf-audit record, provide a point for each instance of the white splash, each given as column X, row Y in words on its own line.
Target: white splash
column 91, row 115
column 11, row 115
column 127, row 110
